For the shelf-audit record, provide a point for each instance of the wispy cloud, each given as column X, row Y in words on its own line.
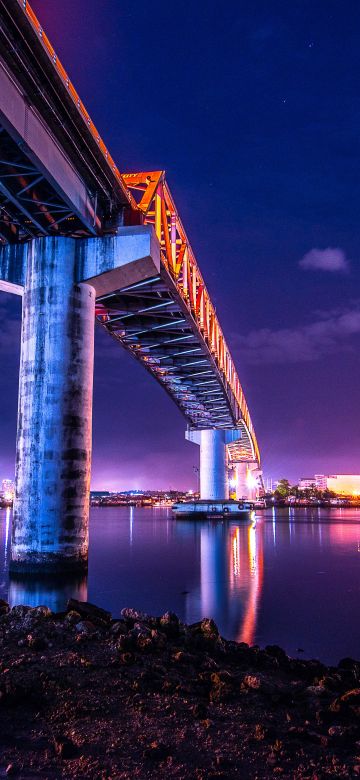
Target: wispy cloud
column 330, row 332
column 331, row 259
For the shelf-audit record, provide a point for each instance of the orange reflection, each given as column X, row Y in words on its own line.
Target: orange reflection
column 256, row 567
column 231, row 561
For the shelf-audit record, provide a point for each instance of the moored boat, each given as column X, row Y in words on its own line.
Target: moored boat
column 205, row 509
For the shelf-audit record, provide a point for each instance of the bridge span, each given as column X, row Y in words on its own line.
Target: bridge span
column 79, row 240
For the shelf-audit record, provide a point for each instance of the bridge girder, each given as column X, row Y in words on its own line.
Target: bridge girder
column 172, row 326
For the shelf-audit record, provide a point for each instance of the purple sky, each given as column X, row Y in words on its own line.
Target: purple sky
column 254, row 114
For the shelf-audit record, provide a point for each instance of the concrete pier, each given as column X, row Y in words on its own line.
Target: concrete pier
column 213, row 476
column 246, row 484
column 213, row 460
column 51, row 507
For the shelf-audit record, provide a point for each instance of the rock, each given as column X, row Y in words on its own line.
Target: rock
column 140, row 636
column 64, row 747
column 89, row 611
column 72, row 617
column 125, row 642
column 158, row 639
column 351, row 697
column 42, row 612
column 349, row 701
column 156, row 751
column 118, row 627
column 252, row 681
column 330, row 682
column 36, row 642
column 144, row 643
column 265, row 660
column 86, row 627
column 343, row 734
column 127, row 659
column 259, row 732
column 316, row 690
column 348, row 663
column 135, row 615
column 199, row 711
column 169, row 622
column 140, row 629
column 209, row 628
column 4, row 609
column 20, row 611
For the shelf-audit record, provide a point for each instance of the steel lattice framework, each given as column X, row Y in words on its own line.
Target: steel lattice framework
column 169, row 322
column 171, row 326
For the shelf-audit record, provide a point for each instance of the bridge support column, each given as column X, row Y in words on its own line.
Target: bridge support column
column 213, row 461
column 213, row 475
column 51, row 507
column 246, row 484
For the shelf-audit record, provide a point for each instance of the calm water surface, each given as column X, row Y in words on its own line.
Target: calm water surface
column 290, row 578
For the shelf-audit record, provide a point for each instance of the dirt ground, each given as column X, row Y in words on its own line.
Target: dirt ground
column 85, row 696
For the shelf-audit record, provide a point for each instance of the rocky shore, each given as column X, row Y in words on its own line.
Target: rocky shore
column 83, row 695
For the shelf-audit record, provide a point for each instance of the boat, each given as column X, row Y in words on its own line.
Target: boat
column 205, row 509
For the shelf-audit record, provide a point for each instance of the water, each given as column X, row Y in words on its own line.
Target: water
column 290, row 578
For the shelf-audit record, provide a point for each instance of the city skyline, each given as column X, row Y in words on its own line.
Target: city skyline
column 283, row 284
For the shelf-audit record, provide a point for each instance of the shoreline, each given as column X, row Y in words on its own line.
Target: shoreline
column 84, row 695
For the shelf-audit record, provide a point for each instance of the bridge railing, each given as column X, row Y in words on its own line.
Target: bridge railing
column 154, row 199
column 50, row 51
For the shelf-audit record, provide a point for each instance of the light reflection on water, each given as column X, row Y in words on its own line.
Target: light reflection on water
column 290, row 578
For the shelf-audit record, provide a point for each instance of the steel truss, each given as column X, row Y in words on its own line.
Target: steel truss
column 170, row 323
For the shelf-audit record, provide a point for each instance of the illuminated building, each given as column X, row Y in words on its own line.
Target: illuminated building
column 307, row 482
column 341, row 484
column 344, row 484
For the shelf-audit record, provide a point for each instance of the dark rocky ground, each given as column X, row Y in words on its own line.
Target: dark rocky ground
column 85, row 696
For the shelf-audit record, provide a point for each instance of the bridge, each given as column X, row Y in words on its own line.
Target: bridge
column 79, row 240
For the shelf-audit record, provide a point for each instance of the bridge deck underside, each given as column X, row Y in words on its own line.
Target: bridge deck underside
column 150, row 320
column 29, row 205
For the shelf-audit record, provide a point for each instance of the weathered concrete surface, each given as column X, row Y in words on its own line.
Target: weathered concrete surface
column 51, row 508
column 113, row 262
column 213, row 460
column 107, row 263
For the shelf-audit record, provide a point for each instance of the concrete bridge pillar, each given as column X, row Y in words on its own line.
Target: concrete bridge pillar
column 51, row 507
column 246, row 484
column 213, row 473
column 213, row 460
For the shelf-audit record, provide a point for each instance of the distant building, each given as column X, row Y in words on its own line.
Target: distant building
column 344, row 484
column 306, row 482
column 341, row 484
column 321, row 481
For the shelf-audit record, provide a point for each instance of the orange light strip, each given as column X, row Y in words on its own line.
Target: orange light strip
column 25, row 5
column 157, row 205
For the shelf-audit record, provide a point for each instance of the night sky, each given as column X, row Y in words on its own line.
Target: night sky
column 253, row 110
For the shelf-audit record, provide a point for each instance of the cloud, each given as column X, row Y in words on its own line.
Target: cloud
column 331, row 259
column 330, row 332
